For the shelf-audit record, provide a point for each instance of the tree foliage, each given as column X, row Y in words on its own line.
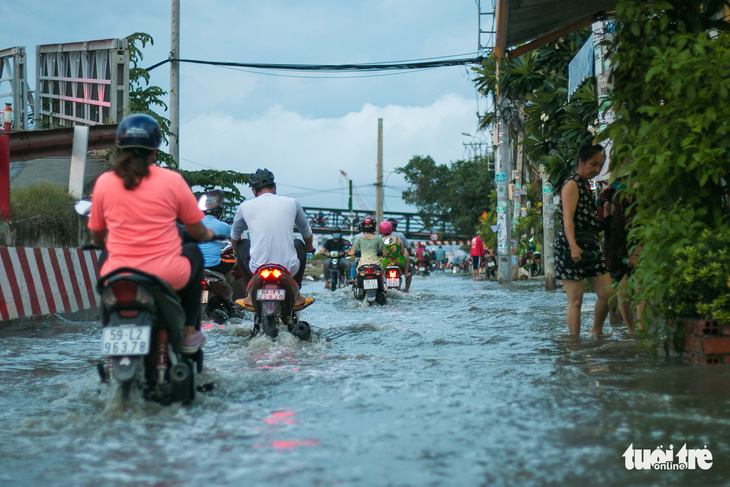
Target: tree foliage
column 459, row 192
column 210, row 179
column 555, row 127
column 144, row 98
column 671, row 134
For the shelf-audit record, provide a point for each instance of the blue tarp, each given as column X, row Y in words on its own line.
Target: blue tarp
column 581, row 67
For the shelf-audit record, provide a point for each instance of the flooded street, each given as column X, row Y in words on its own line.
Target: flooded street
column 459, row 383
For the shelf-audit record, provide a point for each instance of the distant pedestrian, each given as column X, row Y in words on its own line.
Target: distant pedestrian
column 477, row 252
column 578, row 254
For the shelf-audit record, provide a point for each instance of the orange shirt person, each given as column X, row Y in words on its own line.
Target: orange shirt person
column 134, row 212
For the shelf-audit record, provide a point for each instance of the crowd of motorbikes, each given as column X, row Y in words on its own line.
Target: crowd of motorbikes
column 142, row 316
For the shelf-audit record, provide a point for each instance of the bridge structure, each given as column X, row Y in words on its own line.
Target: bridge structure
column 437, row 230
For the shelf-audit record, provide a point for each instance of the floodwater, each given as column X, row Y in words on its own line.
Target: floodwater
column 459, row 383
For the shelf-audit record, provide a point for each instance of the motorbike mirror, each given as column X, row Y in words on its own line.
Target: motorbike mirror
column 203, row 202
column 83, row 207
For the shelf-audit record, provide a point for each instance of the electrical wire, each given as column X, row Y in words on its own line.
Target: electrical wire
column 378, row 66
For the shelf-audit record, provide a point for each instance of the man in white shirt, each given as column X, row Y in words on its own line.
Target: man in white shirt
column 270, row 220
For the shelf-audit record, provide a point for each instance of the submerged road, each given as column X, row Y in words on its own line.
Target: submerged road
column 459, row 383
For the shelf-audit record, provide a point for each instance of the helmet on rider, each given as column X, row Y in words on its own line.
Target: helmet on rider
column 385, row 228
column 367, row 224
column 139, row 130
column 214, row 203
column 336, row 233
column 261, row 179
column 393, row 222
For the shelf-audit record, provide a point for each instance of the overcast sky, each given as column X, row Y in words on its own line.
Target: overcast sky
column 305, row 127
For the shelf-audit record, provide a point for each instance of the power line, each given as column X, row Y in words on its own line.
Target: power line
column 378, row 66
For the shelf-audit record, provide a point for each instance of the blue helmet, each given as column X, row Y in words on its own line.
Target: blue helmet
column 139, row 130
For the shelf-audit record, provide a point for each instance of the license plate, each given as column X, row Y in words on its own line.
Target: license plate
column 270, row 294
column 204, row 296
column 490, row 264
column 421, row 269
column 393, row 282
column 370, row 284
column 126, row 340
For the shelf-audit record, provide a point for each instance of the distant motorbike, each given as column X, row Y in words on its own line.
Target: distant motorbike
column 274, row 299
column 423, row 268
column 337, row 277
column 532, row 262
column 368, row 284
column 490, row 266
column 217, row 299
column 393, row 277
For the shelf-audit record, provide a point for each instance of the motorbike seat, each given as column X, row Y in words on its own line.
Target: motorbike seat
column 215, row 274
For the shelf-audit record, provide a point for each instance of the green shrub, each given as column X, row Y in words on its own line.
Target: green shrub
column 671, row 133
column 43, row 209
column 702, row 271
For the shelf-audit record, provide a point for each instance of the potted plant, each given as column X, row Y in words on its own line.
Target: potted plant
column 700, row 297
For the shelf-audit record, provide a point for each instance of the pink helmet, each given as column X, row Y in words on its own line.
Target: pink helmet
column 386, row 228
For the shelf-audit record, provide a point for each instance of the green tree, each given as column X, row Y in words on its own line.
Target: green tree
column 670, row 67
column 144, row 98
column 553, row 127
column 458, row 193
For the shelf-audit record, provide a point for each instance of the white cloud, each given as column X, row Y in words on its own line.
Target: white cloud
column 309, row 152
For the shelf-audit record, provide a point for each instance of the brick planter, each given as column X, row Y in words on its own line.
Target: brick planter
column 706, row 342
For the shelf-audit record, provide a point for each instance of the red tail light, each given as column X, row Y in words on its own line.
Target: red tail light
column 125, row 292
column 369, row 271
column 270, row 273
column 392, row 274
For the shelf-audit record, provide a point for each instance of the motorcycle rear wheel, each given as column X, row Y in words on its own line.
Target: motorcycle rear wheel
column 269, row 325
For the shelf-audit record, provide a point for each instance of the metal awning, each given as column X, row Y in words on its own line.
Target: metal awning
column 524, row 25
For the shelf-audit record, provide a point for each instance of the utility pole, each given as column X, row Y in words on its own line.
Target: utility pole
column 379, row 177
column 175, row 83
column 504, row 221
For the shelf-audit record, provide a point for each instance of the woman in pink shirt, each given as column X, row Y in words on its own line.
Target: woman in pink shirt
column 134, row 212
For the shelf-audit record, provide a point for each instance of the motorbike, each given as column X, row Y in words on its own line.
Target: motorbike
column 337, row 277
column 368, row 284
column 142, row 334
column 142, row 337
column 393, row 277
column 275, row 303
column 490, row 266
column 217, row 299
column 532, row 262
column 423, row 268
column 536, row 266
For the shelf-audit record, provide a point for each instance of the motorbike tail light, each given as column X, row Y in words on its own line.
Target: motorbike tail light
column 270, row 273
column 392, row 274
column 125, row 292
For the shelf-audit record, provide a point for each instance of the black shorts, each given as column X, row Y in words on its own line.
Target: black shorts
column 475, row 261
